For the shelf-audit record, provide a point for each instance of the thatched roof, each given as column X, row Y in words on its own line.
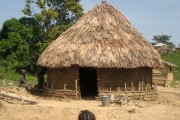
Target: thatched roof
column 168, row 63
column 101, row 38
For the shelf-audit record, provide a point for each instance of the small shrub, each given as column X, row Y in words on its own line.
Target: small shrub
column 175, row 83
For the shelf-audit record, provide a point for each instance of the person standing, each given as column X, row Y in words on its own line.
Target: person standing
column 40, row 76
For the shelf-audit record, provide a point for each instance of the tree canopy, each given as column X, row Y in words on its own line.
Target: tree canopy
column 13, row 47
column 22, row 40
column 54, row 12
column 163, row 39
column 54, row 16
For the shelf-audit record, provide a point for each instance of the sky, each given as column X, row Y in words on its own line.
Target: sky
column 149, row 17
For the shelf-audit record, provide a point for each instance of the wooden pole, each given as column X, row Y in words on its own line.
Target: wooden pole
column 14, row 96
column 110, row 89
column 125, row 87
column 76, row 88
column 118, row 89
column 142, row 86
column 132, row 86
column 64, row 86
column 155, row 87
column 139, row 86
column 52, row 85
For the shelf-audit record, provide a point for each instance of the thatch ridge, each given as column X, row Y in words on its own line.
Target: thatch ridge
column 102, row 38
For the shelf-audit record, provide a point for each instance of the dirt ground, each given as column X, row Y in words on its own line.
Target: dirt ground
column 167, row 107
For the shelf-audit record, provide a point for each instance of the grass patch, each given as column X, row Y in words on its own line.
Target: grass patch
column 173, row 57
column 173, row 84
column 11, row 78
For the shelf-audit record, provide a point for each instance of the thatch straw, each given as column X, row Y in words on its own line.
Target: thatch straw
column 101, row 38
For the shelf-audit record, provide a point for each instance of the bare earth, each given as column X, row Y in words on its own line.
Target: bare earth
column 167, row 107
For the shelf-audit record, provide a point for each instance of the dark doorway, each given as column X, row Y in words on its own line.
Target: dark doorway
column 88, row 82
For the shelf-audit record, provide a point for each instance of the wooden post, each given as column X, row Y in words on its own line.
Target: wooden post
column 76, row 88
column 139, row 86
column 155, row 86
column 118, row 89
column 52, row 85
column 125, row 87
column 64, row 86
column 142, row 86
column 132, row 86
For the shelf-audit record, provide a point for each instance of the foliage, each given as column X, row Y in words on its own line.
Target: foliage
column 23, row 40
column 173, row 57
column 53, row 18
column 11, row 77
column 54, row 12
column 163, row 39
column 13, row 47
column 36, row 30
column 52, row 34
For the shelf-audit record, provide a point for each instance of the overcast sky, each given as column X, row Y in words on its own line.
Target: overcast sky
column 149, row 17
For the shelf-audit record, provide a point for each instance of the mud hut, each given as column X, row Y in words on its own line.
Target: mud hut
column 163, row 75
column 101, row 53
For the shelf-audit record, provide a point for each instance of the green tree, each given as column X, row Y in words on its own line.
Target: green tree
column 54, row 12
column 13, row 48
column 33, row 42
column 55, row 16
column 163, row 39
